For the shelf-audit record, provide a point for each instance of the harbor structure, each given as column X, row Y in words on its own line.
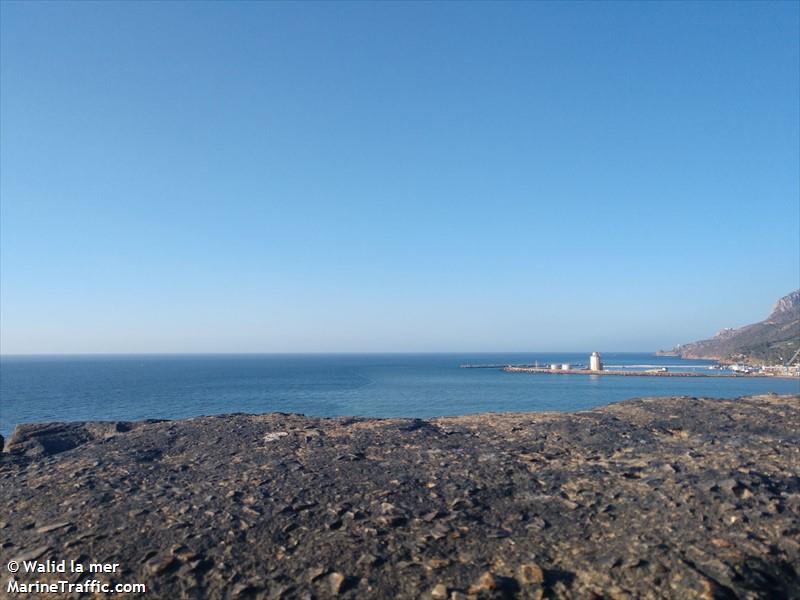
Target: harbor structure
column 596, row 368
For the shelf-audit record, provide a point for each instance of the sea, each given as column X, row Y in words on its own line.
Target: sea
column 133, row 387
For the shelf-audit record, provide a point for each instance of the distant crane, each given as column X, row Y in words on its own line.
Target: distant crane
column 791, row 360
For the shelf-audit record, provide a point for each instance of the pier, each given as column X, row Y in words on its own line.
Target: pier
column 513, row 369
column 618, row 372
column 497, row 366
column 596, row 367
column 654, row 373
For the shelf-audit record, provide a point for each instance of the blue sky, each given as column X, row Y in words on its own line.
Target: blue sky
column 245, row 177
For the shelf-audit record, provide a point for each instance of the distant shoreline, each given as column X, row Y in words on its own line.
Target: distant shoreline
column 513, row 369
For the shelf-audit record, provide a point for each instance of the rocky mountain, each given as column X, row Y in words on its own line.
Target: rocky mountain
column 773, row 340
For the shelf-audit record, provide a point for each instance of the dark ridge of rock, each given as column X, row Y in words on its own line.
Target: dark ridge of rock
column 44, row 439
column 649, row 498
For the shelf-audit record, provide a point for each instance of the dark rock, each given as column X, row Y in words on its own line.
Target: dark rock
column 42, row 439
column 527, row 506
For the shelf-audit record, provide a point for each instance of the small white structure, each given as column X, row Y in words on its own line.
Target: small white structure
column 554, row 367
column 595, row 364
column 565, row 367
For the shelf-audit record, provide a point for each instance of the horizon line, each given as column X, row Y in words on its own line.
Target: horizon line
column 322, row 352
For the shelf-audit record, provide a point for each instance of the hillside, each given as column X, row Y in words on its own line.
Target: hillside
column 772, row 341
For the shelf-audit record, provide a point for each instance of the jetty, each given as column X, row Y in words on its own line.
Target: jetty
column 596, row 367
column 623, row 373
column 494, row 366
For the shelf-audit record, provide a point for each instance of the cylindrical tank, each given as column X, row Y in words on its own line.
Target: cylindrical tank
column 565, row 367
column 595, row 364
column 554, row 367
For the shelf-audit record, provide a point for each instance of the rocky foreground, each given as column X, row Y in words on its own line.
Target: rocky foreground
column 654, row 498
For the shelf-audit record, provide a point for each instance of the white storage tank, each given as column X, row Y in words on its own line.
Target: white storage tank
column 595, row 364
column 554, row 367
column 565, row 367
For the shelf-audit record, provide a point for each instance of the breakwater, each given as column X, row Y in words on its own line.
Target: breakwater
column 622, row 373
column 630, row 372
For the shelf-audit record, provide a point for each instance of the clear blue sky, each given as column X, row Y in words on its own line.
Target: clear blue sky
column 240, row 177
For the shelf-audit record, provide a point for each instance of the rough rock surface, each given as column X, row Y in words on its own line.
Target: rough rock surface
column 38, row 439
column 652, row 498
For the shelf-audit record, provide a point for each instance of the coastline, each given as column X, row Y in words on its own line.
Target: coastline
column 564, row 505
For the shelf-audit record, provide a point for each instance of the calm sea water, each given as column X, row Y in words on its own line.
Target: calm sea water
column 35, row 389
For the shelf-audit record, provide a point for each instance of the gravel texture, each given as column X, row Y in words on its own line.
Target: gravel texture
column 648, row 498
